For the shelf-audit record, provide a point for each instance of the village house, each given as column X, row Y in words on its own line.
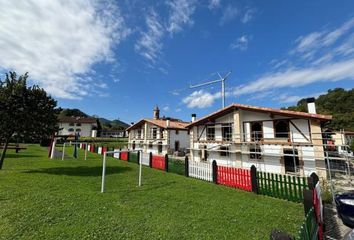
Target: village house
column 84, row 126
column 274, row 140
column 159, row 135
column 342, row 141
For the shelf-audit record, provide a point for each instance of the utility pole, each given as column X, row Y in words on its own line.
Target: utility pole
column 222, row 80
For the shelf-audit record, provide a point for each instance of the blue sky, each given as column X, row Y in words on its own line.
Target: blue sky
column 117, row 59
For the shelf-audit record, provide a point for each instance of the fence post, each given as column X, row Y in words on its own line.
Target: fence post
column 150, row 159
column 186, row 166
column 166, row 162
column 138, row 157
column 308, row 200
column 128, row 156
column 215, row 172
column 254, row 181
column 312, row 180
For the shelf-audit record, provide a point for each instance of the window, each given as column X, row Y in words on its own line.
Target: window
column 78, row 130
column 70, row 129
column 203, row 154
column 255, row 153
column 226, row 130
column 78, row 124
column 210, row 133
column 224, row 151
column 177, row 132
column 154, row 133
column 159, row 147
column 150, row 145
column 256, row 131
column 71, row 124
column 291, row 161
column 139, row 133
column 161, row 133
column 281, row 128
column 176, row 146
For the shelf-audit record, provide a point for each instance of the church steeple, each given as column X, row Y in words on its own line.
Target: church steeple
column 156, row 112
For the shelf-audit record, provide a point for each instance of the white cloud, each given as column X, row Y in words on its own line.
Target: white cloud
column 58, row 42
column 300, row 77
column 248, row 16
column 229, row 14
column 316, row 42
column 200, row 99
column 149, row 45
column 178, row 110
column 287, row 98
column 166, row 108
column 214, row 4
column 323, row 62
column 241, row 43
column 181, row 12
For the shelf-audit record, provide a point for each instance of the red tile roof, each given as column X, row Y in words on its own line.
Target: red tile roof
column 161, row 123
column 288, row 113
column 77, row 120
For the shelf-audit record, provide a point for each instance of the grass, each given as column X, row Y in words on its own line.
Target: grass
column 54, row 199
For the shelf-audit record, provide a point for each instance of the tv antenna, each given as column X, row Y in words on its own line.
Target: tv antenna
column 221, row 79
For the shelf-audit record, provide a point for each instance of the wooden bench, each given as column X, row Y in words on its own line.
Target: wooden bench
column 14, row 147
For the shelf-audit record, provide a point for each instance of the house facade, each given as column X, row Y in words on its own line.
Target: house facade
column 84, row 126
column 342, row 141
column 159, row 135
column 274, row 140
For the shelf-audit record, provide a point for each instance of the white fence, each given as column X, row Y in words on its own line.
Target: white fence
column 116, row 154
column 145, row 159
column 201, row 170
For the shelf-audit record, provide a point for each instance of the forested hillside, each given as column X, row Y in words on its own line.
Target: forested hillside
column 104, row 123
column 337, row 102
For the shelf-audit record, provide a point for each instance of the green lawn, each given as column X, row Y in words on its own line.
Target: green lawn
column 54, row 199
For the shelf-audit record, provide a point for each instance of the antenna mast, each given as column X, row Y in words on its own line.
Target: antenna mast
column 221, row 79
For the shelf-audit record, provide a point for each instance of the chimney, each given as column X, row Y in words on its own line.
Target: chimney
column 167, row 122
column 156, row 112
column 311, row 107
column 194, row 117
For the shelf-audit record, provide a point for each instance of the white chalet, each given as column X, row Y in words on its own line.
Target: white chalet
column 82, row 125
column 274, row 140
column 159, row 135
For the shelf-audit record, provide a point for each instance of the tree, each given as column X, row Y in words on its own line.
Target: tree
column 26, row 112
column 337, row 102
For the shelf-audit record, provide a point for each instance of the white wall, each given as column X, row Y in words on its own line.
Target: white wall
column 268, row 129
column 85, row 129
column 303, row 126
column 308, row 155
column 182, row 137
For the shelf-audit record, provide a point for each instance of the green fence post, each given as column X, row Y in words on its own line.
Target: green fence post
column 215, row 172
column 186, row 166
column 150, row 159
column 166, row 162
column 254, row 180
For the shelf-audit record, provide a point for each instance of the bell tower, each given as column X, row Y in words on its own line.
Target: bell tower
column 156, row 112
